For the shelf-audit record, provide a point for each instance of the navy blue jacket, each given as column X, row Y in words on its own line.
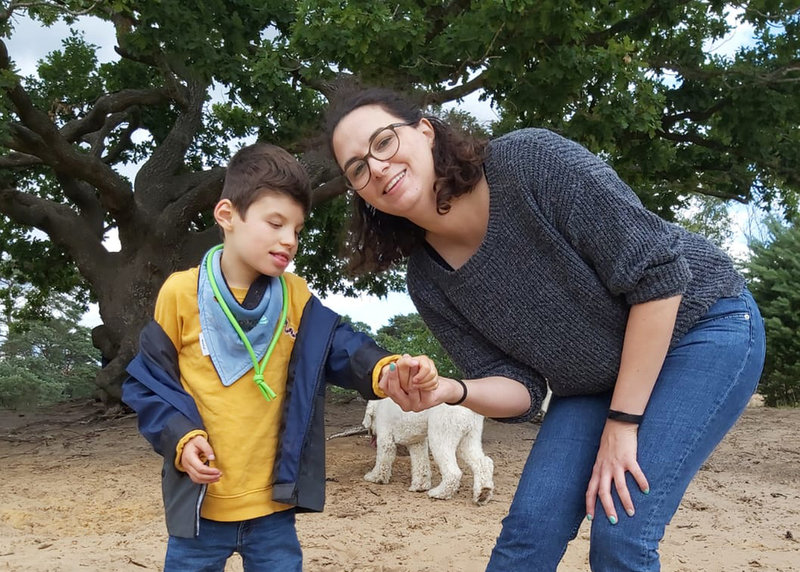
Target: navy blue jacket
column 326, row 350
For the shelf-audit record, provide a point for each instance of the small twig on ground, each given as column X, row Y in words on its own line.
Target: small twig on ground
column 139, row 564
column 357, row 430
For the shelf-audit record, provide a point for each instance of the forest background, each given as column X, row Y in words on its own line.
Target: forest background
column 110, row 166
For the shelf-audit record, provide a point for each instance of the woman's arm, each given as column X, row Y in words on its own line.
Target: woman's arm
column 495, row 396
column 647, row 338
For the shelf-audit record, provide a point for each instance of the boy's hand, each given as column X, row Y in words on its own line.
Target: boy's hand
column 193, row 460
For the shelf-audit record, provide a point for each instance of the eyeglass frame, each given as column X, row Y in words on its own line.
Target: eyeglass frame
column 393, row 127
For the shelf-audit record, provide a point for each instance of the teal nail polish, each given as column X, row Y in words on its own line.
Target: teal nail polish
column 392, row 367
column 646, row 491
column 612, row 519
column 589, row 517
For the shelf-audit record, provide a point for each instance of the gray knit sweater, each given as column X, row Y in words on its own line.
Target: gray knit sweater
column 569, row 248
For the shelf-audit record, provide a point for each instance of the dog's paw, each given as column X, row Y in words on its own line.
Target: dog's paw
column 376, row 477
column 483, row 496
column 419, row 487
column 442, row 493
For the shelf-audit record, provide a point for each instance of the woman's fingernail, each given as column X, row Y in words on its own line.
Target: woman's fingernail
column 589, row 517
column 646, row 491
column 630, row 512
column 612, row 519
column 392, row 367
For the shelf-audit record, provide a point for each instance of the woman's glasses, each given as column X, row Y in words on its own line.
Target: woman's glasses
column 383, row 145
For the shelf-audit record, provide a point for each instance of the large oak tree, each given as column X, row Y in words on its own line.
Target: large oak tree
column 634, row 80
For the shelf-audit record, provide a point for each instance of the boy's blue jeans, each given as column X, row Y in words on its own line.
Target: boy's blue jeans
column 266, row 543
column 703, row 387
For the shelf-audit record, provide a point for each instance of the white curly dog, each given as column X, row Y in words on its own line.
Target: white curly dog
column 446, row 429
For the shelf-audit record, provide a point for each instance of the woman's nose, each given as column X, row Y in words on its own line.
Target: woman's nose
column 377, row 166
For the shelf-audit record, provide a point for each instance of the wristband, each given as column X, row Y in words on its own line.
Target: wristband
column 625, row 417
column 463, row 395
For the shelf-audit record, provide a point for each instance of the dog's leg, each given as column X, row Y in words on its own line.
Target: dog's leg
column 420, row 466
column 443, row 448
column 471, row 450
column 384, row 459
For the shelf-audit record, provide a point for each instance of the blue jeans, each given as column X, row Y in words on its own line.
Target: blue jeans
column 704, row 385
column 268, row 543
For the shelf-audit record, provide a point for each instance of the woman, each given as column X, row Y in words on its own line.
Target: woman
column 534, row 264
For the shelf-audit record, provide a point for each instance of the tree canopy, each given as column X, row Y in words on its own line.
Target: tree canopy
column 46, row 359
column 635, row 81
column 408, row 334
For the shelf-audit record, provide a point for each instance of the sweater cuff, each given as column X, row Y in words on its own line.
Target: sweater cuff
column 182, row 443
column 661, row 282
column 376, row 373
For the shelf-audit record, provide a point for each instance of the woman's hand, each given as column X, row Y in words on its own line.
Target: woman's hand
column 616, row 456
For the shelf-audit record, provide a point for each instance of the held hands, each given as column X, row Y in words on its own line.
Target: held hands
column 416, row 373
column 616, row 456
column 415, row 385
column 193, row 460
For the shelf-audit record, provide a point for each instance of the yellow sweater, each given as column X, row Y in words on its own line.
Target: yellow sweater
column 242, row 426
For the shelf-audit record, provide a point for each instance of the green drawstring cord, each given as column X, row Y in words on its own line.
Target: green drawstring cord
column 266, row 390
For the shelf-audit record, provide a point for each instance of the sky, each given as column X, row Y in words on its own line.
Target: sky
column 30, row 42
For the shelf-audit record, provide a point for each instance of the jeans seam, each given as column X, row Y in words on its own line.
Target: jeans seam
column 240, row 536
column 649, row 527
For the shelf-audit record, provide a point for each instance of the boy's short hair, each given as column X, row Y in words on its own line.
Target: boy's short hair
column 262, row 168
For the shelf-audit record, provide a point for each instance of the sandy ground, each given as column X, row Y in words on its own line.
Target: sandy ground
column 81, row 492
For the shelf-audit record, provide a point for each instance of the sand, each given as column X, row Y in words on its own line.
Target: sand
column 81, row 492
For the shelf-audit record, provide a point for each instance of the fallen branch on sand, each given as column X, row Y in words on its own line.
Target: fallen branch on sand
column 357, row 430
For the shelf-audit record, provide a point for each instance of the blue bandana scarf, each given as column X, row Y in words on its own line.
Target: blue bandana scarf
column 227, row 352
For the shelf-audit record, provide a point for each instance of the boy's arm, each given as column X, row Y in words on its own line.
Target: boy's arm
column 167, row 415
column 355, row 361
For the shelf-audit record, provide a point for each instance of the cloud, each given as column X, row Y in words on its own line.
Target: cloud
column 31, row 41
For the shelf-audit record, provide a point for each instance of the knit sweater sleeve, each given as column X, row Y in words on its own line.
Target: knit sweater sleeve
column 474, row 355
column 634, row 252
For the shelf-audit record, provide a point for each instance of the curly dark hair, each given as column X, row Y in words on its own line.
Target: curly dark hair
column 379, row 240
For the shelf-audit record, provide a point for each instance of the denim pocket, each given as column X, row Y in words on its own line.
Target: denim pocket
column 735, row 308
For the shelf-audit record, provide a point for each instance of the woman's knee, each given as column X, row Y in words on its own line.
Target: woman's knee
column 629, row 545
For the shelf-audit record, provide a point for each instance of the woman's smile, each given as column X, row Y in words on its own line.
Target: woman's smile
column 394, row 182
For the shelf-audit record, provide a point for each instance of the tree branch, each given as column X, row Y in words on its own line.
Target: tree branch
column 667, row 121
column 15, row 160
column 168, row 157
column 328, row 191
column 83, row 196
column 108, row 105
column 62, row 225
column 600, row 37
column 198, row 192
column 38, row 136
column 439, row 97
column 54, row 5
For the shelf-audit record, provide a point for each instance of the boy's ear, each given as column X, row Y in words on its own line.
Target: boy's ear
column 223, row 214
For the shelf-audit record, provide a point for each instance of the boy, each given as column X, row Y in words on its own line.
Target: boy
column 229, row 386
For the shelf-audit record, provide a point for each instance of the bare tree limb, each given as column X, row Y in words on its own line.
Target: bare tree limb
column 14, row 160
column 62, row 225
column 168, row 157
column 439, row 97
column 38, row 136
column 109, row 105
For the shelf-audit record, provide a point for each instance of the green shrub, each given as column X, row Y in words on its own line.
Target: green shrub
column 774, row 274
